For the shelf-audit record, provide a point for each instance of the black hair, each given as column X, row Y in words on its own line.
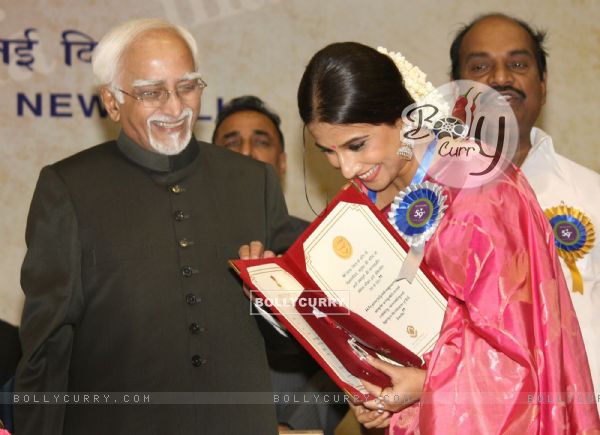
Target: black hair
column 537, row 37
column 350, row 83
column 248, row 103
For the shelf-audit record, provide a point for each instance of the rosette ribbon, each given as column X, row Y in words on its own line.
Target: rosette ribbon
column 573, row 237
column 416, row 213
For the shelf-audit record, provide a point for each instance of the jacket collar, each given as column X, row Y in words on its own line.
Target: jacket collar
column 155, row 161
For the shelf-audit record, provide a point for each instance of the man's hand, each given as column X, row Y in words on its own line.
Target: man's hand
column 253, row 251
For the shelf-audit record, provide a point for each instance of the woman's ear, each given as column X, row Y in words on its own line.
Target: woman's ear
column 110, row 104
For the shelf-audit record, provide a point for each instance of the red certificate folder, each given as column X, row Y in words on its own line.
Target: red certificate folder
column 335, row 290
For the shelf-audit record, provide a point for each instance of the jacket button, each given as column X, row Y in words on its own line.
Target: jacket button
column 179, row 215
column 192, row 299
column 177, row 189
column 185, row 243
column 194, row 328
column 187, row 271
column 197, row 360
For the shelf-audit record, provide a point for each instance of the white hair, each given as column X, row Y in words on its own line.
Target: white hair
column 106, row 59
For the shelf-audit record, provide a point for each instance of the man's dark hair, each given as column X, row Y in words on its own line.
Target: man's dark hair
column 248, row 103
column 351, row 83
column 537, row 36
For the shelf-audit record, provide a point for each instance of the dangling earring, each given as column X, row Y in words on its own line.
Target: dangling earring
column 406, row 149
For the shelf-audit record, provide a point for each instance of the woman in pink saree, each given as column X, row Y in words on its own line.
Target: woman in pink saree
column 510, row 357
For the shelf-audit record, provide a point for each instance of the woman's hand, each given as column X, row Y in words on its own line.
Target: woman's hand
column 370, row 419
column 407, row 387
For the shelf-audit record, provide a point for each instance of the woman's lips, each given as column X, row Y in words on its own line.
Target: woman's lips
column 371, row 174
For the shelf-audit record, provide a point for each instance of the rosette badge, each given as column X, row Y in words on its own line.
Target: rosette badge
column 416, row 213
column 573, row 237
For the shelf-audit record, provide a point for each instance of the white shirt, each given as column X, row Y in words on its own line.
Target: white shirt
column 554, row 178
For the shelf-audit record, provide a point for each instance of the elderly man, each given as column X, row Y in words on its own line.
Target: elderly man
column 126, row 277
column 506, row 54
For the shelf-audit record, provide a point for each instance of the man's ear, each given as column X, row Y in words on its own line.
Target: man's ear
column 543, row 84
column 110, row 104
column 282, row 164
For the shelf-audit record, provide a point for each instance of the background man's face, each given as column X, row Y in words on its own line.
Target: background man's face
column 252, row 134
column 158, row 60
column 500, row 53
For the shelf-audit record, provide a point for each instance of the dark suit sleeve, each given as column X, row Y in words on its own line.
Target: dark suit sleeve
column 280, row 232
column 51, row 281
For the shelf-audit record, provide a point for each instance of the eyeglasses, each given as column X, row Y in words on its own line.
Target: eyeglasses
column 156, row 97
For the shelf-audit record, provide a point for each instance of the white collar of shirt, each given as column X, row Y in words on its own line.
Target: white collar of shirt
column 541, row 156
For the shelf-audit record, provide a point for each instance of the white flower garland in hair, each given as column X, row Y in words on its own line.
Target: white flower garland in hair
column 415, row 82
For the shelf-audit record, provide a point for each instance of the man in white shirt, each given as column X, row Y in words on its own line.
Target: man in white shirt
column 507, row 54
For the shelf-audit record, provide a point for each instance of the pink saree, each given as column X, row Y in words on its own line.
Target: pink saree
column 510, row 357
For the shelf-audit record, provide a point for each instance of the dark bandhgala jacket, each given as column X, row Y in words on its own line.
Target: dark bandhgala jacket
column 128, row 290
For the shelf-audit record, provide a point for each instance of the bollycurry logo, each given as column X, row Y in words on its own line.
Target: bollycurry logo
column 467, row 133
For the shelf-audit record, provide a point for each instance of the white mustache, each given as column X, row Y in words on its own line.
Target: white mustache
column 186, row 113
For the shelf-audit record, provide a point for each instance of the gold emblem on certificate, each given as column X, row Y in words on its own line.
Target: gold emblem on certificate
column 342, row 247
column 411, row 330
column 275, row 281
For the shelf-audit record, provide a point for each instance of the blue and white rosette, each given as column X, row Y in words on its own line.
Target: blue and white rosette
column 574, row 237
column 416, row 213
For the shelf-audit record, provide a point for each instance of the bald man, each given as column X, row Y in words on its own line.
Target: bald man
column 508, row 55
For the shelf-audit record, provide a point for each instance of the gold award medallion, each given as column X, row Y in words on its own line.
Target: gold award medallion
column 411, row 330
column 342, row 247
